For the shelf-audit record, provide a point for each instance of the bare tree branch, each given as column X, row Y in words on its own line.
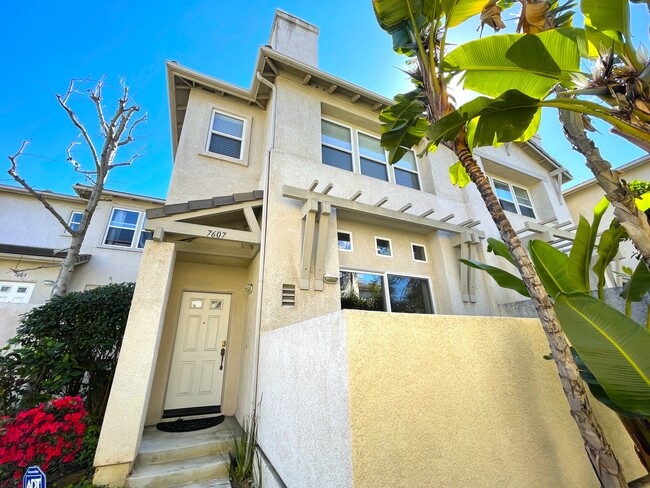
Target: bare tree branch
column 39, row 196
column 96, row 96
column 129, row 137
column 130, row 161
column 63, row 101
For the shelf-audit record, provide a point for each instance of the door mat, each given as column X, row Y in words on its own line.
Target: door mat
column 181, row 425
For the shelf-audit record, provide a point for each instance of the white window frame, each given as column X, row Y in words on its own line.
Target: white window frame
column 245, row 138
column 72, row 214
column 339, row 231
column 384, row 277
column 356, row 156
column 390, row 247
column 511, row 187
column 424, row 250
column 139, row 228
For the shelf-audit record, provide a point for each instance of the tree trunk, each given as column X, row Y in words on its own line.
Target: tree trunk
column 67, row 266
column 639, row 430
column 602, row 458
column 628, row 214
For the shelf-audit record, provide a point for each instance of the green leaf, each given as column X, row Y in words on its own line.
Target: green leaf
column 392, row 13
column 552, row 267
column 458, row 175
column 644, row 202
column 614, row 348
column 607, row 250
column 403, row 124
column 503, row 278
column 611, row 17
column 512, row 116
column 596, row 388
column 500, row 249
column 638, row 284
column 463, row 10
column 580, row 257
column 530, row 63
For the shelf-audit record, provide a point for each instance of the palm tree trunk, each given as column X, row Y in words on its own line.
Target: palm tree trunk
column 639, row 430
column 628, row 214
column 600, row 453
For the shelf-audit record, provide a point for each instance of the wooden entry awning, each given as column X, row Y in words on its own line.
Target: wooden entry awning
column 225, row 226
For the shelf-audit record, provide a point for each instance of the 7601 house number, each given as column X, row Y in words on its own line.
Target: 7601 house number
column 216, row 234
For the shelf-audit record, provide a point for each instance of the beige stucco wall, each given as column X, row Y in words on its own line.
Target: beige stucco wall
column 583, row 200
column 460, row 401
column 304, row 414
column 198, row 174
column 10, row 314
column 370, row 399
column 191, row 276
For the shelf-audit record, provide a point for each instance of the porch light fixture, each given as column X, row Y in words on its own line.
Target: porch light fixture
column 48, row 282
column 330, row 279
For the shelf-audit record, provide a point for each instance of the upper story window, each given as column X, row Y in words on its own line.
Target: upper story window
column 352, row 150
column 75, row 220
column 513, row 198
column 123, row 227
column 345, row 241
column 226, row 135
column 383, row 247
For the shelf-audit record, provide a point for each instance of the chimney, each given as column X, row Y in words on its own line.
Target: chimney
column 295, row 38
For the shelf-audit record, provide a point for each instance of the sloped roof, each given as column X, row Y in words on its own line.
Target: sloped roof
column 44, row 252
column 214, row 202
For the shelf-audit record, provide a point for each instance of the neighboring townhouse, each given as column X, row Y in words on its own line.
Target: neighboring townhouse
column 33, row 244
column 292, row 268
column 583, row 197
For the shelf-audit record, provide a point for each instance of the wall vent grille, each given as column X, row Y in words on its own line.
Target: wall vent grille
column 288, row 295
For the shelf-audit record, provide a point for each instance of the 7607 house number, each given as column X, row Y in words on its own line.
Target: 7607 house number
column 216, row 234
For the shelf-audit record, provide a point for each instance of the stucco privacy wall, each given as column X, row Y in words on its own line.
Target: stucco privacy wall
column 304, row 423
column 121, row 432
column 201, row 277
column 460, row 401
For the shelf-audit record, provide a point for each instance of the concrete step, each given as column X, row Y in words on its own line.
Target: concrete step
column 218, row 483
column 179, row 453
column 212, row 468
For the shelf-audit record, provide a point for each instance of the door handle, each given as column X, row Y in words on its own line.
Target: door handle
column 223, row 354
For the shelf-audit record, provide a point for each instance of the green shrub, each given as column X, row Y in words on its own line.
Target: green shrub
column 69, row 346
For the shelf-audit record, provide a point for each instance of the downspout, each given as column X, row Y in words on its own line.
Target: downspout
column 265, row 206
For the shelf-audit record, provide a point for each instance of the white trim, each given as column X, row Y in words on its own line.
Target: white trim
column 337, row 239
column 424, row 250
column 139, row 228
column 244, row 139
column 390, row 247
column 511, row 186
column 355, row 152
column 65, row 231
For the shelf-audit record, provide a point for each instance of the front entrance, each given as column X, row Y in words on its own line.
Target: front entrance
column 198, row 361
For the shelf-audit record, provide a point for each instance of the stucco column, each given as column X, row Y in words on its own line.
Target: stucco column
column 121, row 432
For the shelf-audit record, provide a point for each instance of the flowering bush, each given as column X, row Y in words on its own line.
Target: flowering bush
column 49, row 432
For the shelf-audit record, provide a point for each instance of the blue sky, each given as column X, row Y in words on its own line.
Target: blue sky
column 46, row 44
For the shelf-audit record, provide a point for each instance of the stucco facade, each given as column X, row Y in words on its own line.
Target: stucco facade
column 257, row 212
column 28, row 232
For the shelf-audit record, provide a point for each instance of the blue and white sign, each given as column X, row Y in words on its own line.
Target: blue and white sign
column 34, row 478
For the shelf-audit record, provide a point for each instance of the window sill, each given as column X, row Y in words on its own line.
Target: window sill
column 120, row 248
column 221, row 157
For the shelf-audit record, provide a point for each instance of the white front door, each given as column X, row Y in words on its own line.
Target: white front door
column 198, row 361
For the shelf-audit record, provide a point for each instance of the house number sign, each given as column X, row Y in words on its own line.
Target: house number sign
column 216, row 234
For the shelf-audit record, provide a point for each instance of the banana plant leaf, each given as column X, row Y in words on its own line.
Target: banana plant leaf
column 503, row 278
column 611, row 17
column 614, row 348
column 403, row 125
column 531, row 64
column 458, row 11
column 583, row 248
column 552, row 267
column 500, row 249
column 597, row 390
column 638, row 284
column 607, row 250
column 512, row 116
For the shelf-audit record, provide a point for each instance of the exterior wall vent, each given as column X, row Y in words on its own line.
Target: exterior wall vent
column 288, row 295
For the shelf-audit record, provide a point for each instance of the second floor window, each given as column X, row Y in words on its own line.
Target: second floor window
column 75, row 220
column 123, row 227
column 513, row 198
column 352, row 150
column 226, row 135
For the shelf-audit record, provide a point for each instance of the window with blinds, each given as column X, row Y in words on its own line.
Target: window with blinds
column 226, row 135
